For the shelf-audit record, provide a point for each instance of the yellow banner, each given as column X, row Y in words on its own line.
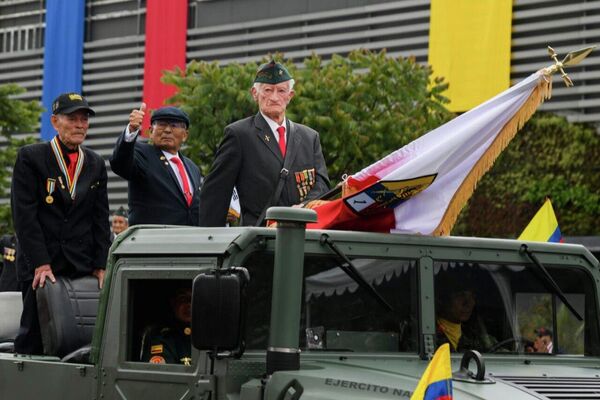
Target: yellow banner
column 469, row 45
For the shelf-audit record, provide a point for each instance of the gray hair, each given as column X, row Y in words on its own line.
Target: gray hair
column 257, row 85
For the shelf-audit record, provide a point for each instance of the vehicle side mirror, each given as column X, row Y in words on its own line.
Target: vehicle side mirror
column 218, row 311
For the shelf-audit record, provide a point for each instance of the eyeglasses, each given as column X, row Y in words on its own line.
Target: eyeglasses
column 162, row 124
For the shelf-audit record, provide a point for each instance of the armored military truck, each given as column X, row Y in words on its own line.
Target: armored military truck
column 286, row 313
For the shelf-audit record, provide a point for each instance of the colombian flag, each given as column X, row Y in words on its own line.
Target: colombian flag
column 436, row 382
column 543, row 227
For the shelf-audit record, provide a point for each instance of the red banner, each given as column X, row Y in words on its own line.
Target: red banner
column 166, row 34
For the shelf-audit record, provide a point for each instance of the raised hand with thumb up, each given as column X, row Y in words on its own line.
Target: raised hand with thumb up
column 136, row 117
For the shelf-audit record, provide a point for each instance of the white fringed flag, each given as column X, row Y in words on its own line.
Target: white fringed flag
column 422, row 187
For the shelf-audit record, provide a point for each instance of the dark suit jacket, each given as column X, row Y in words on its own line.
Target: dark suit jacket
column 249, row 159
column 155, row 196
column 70, row 235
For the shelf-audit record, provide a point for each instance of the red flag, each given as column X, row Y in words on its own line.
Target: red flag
column 166, row 34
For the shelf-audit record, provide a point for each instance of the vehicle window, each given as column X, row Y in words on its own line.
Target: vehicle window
column 160, row 327
column 539, row 315
column 338, row 315
column 342, row 316
column 495, row 308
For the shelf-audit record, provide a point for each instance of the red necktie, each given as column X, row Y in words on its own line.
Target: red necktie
column 72, row 164
column 184, row 180
column 281, row 131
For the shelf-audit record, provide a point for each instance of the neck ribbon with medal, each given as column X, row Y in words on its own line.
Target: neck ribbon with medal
column 60, row 159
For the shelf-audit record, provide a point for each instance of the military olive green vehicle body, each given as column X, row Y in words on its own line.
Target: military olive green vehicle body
column 328, row 336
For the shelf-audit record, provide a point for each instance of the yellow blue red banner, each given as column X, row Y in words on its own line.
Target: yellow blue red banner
column 436, row 382
column 63, row 55
column 469, row 45
column 543, row 227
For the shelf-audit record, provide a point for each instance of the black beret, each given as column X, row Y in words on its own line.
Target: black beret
column 170, row 114
column 68, row 103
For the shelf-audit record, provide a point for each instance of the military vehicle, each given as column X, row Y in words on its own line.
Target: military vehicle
column 289, row 313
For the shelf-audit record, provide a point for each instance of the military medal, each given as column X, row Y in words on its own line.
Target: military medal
column 62, row 164
column 305, row 180
column 50, row 185
column 187, row 361
column 156, row 349
column 9, row 254
column 157, row 360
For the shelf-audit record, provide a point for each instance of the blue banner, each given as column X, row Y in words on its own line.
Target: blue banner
column 63, row 54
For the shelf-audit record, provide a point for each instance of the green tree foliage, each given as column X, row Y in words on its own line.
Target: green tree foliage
column 365, row 105
column 15, row 116
column 548, row 157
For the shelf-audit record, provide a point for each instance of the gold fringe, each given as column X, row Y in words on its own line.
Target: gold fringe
column 541, row 92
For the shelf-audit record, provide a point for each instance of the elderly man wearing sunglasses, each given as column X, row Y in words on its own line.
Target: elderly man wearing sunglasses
column 163, row 184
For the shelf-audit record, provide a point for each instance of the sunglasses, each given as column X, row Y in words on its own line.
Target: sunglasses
column 162, row 124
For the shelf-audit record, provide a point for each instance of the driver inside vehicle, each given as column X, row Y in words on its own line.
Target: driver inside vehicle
column 457, row 322
column 171, row 343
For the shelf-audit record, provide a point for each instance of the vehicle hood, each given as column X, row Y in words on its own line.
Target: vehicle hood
column 514, row 378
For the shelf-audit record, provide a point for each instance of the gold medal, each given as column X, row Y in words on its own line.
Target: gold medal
column 187, row 331
column 187, row 361
column 49, row 199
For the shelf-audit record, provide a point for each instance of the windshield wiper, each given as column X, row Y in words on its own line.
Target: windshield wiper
column 354, row 273
column 549, row 282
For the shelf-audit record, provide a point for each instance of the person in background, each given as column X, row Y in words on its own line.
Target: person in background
column 118, row 223
column 543, row 340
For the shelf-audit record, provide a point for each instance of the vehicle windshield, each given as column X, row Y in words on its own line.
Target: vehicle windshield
column 337, row 314
column 495, row 308
column 492, row 308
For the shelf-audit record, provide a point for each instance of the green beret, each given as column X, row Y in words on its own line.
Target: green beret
column 121, row 212
column 273, row 73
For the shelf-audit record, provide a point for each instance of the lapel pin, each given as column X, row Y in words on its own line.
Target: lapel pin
column 267, row 138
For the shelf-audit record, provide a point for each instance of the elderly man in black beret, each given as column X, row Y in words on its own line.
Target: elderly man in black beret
column 60, row 211
column 271, row 160
column 164, row 185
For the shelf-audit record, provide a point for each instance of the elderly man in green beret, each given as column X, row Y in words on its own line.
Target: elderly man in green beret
column 119, row 223
column 271, row 160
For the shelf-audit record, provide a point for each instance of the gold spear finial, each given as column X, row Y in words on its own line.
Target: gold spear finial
column 573, row 58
